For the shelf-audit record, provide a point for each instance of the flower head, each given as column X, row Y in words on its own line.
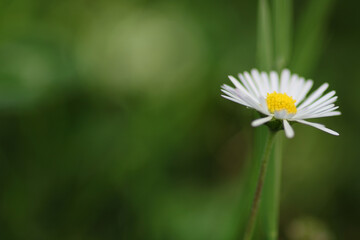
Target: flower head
column 282, row 100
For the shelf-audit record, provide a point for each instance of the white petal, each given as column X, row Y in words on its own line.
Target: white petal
column 289, row 131
column 330, row 101
column 240, row 98
column 261, row 121
column 238, row 85
column 235, row 100
column 327, row 108
column 293, row 86
column 230, row 91
column 285, row 77
column 280, row 114
column 245, row 98
column 239, row 92
column 319, row 126
column 321, row 115
column 266, row 83
column 274, row 81
column 251, row 83
column 297, row 86
column 322, row 99
column 259, row 82
column 233, row 92
column 319, row 105
column 246, row 84
column 315, row 95
column 288, row 116
column 301, row 112
column 304, row 91
column 263, row 104
column 327, row 113
column 236, row 82
column 255, row 105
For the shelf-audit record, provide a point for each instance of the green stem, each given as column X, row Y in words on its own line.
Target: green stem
column 271, row 195
column 255, row 205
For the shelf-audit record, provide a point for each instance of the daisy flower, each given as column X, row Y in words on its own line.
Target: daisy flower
column 282, row 100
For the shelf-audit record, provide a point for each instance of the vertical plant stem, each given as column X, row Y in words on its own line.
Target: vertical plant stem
column 282, row 15
column 255, row 205
column 264, row 38
column 271, row 195
column 282, row 31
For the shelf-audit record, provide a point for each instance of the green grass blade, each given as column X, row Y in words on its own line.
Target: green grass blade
column 249, row 183
column 310, row 35
column 282, row 12
column 264, row 38
column 265, row 62
column 271, row 198
column 265, row 56
column 282, row 32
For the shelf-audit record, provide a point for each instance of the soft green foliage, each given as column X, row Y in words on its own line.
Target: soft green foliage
column 112, row 124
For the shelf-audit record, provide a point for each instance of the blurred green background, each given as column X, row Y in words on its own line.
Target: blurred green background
column 112, row 125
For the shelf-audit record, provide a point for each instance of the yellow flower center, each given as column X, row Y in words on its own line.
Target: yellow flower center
column 280, row 101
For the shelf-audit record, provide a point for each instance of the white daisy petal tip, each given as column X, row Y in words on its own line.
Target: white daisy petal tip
column 254, row 71
column 261, row 121
column 333, row 132
column 289, row 131
column 231, row 77
column 286, row 71
column 319, row 126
